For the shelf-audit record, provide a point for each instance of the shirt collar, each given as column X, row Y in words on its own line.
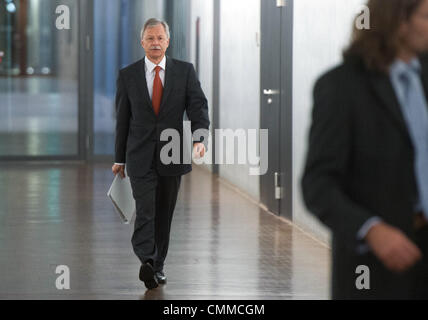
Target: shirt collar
column 151, row 66
column 399, row 67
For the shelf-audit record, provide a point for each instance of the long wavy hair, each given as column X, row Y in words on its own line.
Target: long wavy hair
column 378, row 47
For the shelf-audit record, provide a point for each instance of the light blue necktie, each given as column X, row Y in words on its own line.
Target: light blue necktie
column 415, row 111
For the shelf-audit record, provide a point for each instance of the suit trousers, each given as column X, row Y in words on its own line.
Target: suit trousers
column 156, row 198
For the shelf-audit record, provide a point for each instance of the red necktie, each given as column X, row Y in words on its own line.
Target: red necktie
column 157, row 91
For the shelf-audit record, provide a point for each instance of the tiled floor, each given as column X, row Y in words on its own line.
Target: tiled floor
column 223, row 246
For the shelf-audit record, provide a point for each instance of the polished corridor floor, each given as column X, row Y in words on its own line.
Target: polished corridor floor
column 223, row 246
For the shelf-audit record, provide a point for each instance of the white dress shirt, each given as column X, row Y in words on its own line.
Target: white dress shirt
column 151, row 73
column 150, row 77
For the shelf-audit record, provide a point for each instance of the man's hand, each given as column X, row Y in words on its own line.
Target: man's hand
column 393, row 248
column 199, row 150
column 119, row 169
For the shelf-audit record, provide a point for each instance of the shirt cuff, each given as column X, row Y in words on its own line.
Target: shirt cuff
column 120, row 164
column 362, row 247
column 367, row 226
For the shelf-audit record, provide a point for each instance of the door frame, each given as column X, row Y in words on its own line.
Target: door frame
column 286, row 135
column 85, row 84
column 270, row 79
column 285, row 205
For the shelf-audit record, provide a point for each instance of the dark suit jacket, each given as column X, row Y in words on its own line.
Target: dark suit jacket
column 138, row 130
column 360, row 164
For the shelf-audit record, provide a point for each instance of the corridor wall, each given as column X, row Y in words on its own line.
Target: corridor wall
column 322, row 30
column 239, row 72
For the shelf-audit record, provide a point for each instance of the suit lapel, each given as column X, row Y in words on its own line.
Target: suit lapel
column 385, row 92
column 169, row 84
column 140, row 79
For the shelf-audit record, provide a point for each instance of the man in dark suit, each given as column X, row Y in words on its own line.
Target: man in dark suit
column 366, row 175
column 152, row 96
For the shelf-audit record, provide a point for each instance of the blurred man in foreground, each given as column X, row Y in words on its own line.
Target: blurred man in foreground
column 366, row 174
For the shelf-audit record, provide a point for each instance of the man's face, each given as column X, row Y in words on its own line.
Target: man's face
column 155, row 42
column 415, row 32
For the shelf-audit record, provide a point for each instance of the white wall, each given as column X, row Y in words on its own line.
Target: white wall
column 321, row 31
column 240, row 80
column 239, row 72
column 203, row 9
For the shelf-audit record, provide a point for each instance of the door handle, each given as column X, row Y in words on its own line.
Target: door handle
column 279, row 190
column 270, row 92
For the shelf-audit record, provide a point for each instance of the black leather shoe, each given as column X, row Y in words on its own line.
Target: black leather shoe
column 161, row 277
column 147, row 275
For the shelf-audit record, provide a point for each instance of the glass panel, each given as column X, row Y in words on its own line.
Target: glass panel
column 38, row 79
column 178, row 17
column 117, row 26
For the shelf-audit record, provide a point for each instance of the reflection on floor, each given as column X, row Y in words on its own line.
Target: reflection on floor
column 223, row 246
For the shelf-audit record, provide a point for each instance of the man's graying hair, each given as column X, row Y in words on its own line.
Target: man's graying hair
column 153, row 22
